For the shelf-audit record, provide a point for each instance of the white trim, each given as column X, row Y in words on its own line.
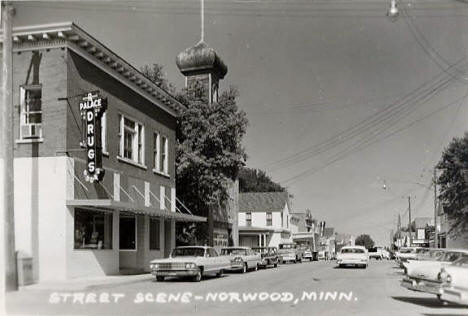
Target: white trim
column 138, row 134
column 131, row 162
column 29, row 141
column 166, row 175
column 162, row 197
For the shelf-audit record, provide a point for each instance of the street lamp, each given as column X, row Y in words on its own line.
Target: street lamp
column 393, row 11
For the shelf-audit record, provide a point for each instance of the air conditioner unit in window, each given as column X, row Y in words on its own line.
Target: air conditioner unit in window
column 29, row 131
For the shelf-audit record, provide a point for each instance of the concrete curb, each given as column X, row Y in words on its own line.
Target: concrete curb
column 89, row 285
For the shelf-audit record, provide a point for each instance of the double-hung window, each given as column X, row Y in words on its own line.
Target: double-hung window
column 161, row 153
column 269, row 219
column 248, row 219
column 31, row 112
column 132, row 140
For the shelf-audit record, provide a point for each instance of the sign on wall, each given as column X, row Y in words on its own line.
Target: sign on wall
column 92, row 107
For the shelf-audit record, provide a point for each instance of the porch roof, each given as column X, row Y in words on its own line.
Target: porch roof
column 254, row 229
column 108, row 204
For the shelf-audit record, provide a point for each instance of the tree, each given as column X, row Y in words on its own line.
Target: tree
column 209, row 151
column 155, row 74
column 255, row 180
column 364, row 240
column 453, row 182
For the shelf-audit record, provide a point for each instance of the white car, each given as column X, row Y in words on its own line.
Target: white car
column 423, row 275
column 454, row 280
column 242, row 258
column 190, row 261
column 353, row 255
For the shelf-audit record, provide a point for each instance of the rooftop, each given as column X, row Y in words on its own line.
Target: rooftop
column 263, row 201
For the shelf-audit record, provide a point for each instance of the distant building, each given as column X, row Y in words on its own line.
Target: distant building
column 308, row 231
column 265, row 219
column 342, row 240
column 327, row 242
column 423, row 228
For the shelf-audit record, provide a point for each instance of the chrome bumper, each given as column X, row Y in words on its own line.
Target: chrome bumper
column 426, row 286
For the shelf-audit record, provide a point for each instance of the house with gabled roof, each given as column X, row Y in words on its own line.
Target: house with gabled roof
column 265, row 219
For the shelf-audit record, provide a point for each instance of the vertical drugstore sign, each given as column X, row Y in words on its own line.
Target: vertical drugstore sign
column 92, row 107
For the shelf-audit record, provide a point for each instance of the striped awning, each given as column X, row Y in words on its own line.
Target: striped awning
column 107, row 204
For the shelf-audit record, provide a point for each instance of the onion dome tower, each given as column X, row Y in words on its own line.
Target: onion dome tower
column 201, row 64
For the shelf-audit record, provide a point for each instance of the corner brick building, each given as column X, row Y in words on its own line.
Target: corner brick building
column 72, row 227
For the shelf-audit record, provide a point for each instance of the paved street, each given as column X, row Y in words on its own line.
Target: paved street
column 374, row 291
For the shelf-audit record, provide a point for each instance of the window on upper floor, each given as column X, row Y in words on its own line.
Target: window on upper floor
column 161, row 153
column 31, row 112
column 132, row 140
column 248, row 219
column 269, row 219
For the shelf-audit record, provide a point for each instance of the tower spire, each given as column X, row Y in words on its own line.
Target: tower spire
column 202, row 13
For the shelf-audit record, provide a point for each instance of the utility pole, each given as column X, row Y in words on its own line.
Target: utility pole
column 409, row 223
column 8, row 261
column 436, row 237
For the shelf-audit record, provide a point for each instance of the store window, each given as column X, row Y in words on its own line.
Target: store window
column 93, row 229
column 155, row 242
column 132, row 140
column 157, row 152
column 31, row 112
column 127, row 233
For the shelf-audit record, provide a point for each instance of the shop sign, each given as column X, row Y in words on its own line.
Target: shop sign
column 92, row 107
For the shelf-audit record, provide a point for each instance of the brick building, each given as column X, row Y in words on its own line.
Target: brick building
column 71, row 222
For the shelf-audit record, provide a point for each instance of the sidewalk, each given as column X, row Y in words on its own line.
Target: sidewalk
column 85, row 284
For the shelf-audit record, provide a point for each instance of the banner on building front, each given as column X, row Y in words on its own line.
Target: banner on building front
column 92, row 107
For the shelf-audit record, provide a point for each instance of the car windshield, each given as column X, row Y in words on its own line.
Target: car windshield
column 451, row 256
column 188, row 252
column 287, row 246
column 233, row 251
column 260, row 250
column 352, row 250
column 463, row 261
column 432, row 255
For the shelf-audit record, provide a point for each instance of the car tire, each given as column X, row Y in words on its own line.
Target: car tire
column 256, row 267
column 275, row 265
column 220, row 273
column 244, row 268
column 198, row 277
column 160, row 278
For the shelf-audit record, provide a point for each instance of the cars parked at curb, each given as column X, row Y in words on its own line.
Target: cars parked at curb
column 307, row 254
column 290, row 252
column 423, row 275
column 454, row 278
column 353, row 255
column 190, row 261
column 375, row 253
column 242, row 258
column 269, row 256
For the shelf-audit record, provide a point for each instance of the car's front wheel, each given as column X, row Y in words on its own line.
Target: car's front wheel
column 220, row 273
column 160, row 278
column 244, row 268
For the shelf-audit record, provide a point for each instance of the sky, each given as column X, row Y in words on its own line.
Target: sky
column 347, row 109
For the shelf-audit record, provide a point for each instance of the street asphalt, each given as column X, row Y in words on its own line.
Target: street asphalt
column 310, row 288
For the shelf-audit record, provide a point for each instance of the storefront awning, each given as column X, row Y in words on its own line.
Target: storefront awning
column 107, row 204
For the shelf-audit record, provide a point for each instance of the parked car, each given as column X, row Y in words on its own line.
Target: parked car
column 242, row 258
column 307, row 254
column 322, row 255
column 190, row 261
column 404, row 254
column 454, row 278
column 353, row 255
column 269, row 256
column 375, row 253
column 423, row 275
column 290, row 252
